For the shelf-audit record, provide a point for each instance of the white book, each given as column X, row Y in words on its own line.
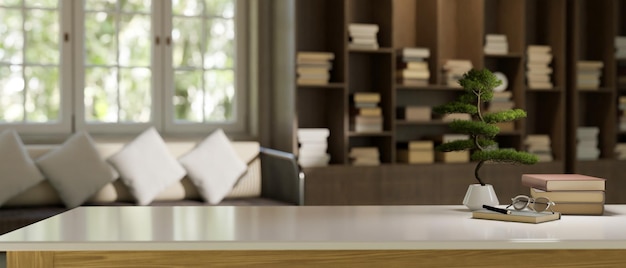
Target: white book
column 363, row 28
column 417, row 52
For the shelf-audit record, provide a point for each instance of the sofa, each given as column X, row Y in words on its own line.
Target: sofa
column 272, row 178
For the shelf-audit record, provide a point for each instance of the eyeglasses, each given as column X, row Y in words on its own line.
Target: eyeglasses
column 539, row 204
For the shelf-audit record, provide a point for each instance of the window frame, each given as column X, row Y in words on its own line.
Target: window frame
column 72, row 81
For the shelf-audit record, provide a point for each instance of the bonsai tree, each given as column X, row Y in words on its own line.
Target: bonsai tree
column 478, row 86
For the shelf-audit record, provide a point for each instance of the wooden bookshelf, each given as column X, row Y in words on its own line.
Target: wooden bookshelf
column 456, row 29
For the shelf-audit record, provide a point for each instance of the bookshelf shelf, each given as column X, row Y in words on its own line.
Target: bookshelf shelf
column 575, row 30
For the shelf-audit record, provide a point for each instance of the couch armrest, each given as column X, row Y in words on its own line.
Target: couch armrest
column 281, row 177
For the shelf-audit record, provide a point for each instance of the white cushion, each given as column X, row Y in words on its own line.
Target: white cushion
column 18, row 172
column 214, row 167
column 76, row 170
column 146, row 166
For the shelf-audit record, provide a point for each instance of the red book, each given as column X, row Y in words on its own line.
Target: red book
column 563, row 182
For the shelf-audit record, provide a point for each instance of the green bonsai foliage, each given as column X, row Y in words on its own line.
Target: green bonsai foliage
column 478, row 86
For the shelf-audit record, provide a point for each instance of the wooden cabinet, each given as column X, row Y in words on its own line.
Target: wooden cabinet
column 456, row 29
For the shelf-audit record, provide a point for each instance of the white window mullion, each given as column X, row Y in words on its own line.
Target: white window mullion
column 79, row 66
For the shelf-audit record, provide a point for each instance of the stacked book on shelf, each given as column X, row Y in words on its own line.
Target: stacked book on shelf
column 363, row 36
column 415, row 113
column 496, row 44
column 621, row 108
column 364, row 156
column 539, row 145
column 313, row 146
column 588, row 74
column 454, row 69
column 313, row 68
column 452, row 157
column 587, row 143
column 454, row 116
column 501, row 101
column 620, row 151
column 620, row 47
column 367, row 116
column 416, row 152
column 538, row 70
column 572, row 193
column 413, row 66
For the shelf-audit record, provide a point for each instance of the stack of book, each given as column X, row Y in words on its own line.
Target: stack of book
column 313, row 68
column 313, row 145
column 621, row 107
column 620, row 151
column 538, row 68
column 587, row 143
column 571, row 193
column 413, row 66
column 364, row 156
column 415, row 113
column 620, row 47
column 588, row 74
column 363, row 36
column 539, row 145
column 496, row 44
column 416, row 152
column 452, row 157
column 501, row 101
column 369, row 118
column 454, row 69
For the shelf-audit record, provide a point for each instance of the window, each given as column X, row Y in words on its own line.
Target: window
column 113, row 66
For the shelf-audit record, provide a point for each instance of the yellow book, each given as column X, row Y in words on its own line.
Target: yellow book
column 516, row 216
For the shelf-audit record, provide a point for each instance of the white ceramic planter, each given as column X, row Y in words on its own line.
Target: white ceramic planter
column 478, row 195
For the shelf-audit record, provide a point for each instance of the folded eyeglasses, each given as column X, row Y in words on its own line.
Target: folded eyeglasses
column 539, row 204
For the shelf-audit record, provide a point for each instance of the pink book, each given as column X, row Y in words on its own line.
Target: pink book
column 563, row 182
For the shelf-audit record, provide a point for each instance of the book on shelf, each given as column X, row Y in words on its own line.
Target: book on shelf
column 412, row 65
column 540, row 85
column 417, row 145
column 580, row 196
column 587, row 64
column 363, row 28
column 311, row 81
column 506, row 126
column 453, row 157
column 368, row 111
column 516, row 216
column 414, row 52
column 538, row 49
column 412, row 82
column 366, row 97
column 313, row 134
column 415, row 74
column 455, row 116
column 418, row 156
column 543, row 58
column 315, row 56
column 363, row 46
column 415, row 113
column 364, row 155
column 563, row 182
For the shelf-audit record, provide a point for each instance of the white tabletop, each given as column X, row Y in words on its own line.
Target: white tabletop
column 309, row 227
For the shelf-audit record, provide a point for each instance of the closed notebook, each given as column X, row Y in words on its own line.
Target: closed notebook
column 570, row 196
column 563, row 182
column 525, row 216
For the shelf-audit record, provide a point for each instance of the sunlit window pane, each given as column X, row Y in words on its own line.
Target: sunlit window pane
column 11, row 35
column 11, row 3
column 43, row 97
column 219, row 95
column 42, row 35
column 101, row 95
column 100, row 5
column 220, row 8
column 188, row 97
column 136, row 6
column 118, row 39
column 134, row 36
column 187, row 37
column 135, row 94
column 187, row 7
column 100, row 39
column 220, row 50
column 11, row 94
column 40, row 3
column 211, row 50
